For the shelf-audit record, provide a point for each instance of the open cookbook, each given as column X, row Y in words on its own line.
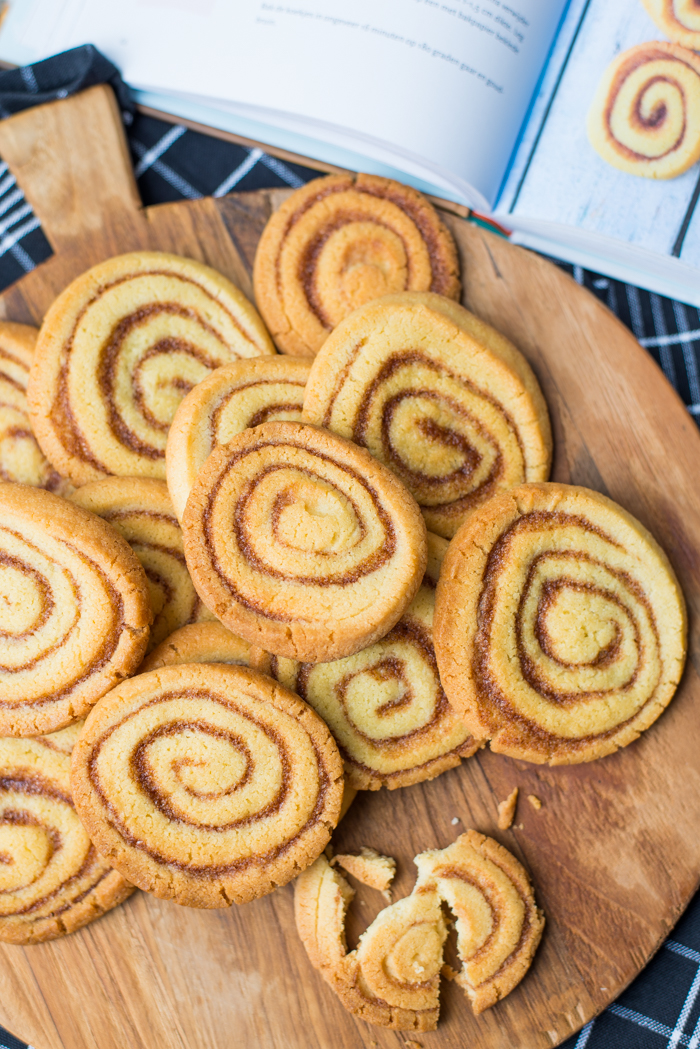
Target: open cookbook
column 483, row 102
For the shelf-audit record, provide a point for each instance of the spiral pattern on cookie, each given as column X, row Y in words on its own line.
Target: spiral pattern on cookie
column 52, row 880
column 74, row 614
column 301, row 543
column 118, row 351
column 340, row 241
column 238, row 396
column 442, row 399
column 21, row 458
column 392, row 979
column 678, row 19
column 207, row 784
column 140, row 509
column 385, row 705
column 645, row 117
column 560, row 626
column 498, row 922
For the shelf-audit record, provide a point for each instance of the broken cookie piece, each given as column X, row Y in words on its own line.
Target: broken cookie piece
column 393, row 977
column 498, row 922
column 506, row 810
column 370, row 868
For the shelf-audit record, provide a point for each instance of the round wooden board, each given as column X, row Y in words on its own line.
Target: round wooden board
column 615, row 850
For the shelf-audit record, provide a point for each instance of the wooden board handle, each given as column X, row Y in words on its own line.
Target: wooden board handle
column 71, row 159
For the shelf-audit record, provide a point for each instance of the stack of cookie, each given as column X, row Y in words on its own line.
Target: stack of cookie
column 270, row 581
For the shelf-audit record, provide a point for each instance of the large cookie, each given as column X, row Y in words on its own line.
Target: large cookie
column 52, row 880
column 120, row 348
column 560, row 628
column 340, row 241
column 140, row 509
column 235, row 397
column 442, row 399
column 206, row 784
column 301, row 543
column 385, row 705
column 74, row 615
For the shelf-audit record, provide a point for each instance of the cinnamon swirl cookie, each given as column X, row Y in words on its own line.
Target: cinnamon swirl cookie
column 206, row 643
column 52, row 880
column 140, row 510
column 442, row 399
column 645, row 117
column 385, row 705
column 559, row 625
column 240, row 395
column 678, row 19
column 498, row 922
column 74, row 613
column 206, row 784
column 392, row 979
column 120, row 348
column 21, row 458
column 301, row 543
column 340, row 241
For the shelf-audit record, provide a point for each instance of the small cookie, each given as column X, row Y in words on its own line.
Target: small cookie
column 140, row 510
column 235, row 397
column 442, row 399
column 74, row 613
column 52, row 880
column 392, row 979
column 678, row 19
column 338, row 242
column 385, row 705
column 498, row 922
column 120, row 348
column 559, row 625
column 21, row 458
column 301, row 542
column 645, row 117
column 369, row 867
column 206, row 643
column 206, row 784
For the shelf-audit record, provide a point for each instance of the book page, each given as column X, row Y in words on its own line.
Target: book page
column 442, row 84
column 558, row 179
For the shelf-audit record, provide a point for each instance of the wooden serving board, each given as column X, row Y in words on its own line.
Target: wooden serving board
column 615, row 850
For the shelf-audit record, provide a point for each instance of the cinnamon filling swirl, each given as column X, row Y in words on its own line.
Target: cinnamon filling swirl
column 52, row 879
column 339, row 242
column 119, row 350
column 572, row 640
column 285, row 518
column 207, row 783
column 440, row 398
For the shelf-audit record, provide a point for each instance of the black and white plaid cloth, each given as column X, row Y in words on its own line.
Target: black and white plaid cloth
column 661, row 1009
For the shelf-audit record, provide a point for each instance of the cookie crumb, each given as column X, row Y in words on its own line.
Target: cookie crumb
column 455, row 821
column 506, row 810
column 448, row 972
column 534, row 801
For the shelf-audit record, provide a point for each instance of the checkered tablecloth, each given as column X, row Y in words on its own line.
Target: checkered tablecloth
column 661, row 1009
